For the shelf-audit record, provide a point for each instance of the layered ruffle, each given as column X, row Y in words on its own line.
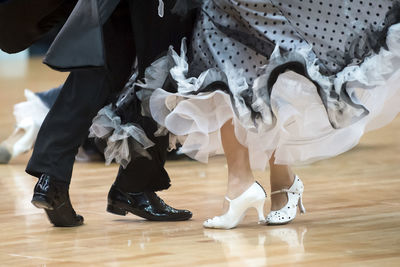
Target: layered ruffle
column 294, row 110
column 124, row 141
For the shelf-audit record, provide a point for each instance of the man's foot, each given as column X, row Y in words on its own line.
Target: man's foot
column 53, row 197
column 143, row 204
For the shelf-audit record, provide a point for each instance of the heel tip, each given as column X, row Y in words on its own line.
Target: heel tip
column 116, row 211
column 41, row 202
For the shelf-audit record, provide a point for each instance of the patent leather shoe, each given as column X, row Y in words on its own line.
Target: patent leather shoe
column 53, row 197
column 143, row 204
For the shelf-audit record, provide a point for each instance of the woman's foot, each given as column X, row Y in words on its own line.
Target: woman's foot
column 281, row 177
column 285, row 181
column 254, row 197
column 12, row 146
column 242, row 192
column 288, row 212
column 236, row 187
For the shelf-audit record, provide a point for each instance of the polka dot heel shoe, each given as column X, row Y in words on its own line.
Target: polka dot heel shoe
column 288, row 212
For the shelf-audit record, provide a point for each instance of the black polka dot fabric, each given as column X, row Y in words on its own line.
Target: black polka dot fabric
column 336, row 29
column 245, row 32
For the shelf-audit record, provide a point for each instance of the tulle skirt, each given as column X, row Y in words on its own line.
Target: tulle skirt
column 293, row 121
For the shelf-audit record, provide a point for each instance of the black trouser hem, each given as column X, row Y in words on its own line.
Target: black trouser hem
column 38, row 172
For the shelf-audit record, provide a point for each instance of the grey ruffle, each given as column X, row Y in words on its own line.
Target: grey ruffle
column 124, row 141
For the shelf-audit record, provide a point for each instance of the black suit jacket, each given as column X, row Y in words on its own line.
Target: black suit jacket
column 80, row 42
column 22, row 22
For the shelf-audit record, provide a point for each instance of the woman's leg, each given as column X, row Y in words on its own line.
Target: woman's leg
column 281, row 176
column 240, row 176
column 242, row 192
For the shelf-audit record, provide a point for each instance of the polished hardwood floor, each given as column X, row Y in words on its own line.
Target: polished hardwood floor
column 352, row 201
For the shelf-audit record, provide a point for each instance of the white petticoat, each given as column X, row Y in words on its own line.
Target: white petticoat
column 295, row 125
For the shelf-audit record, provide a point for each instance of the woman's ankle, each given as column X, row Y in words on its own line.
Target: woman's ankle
column 281, row 179
column 237, row 185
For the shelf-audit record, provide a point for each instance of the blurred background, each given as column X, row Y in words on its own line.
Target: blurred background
column 15, row 65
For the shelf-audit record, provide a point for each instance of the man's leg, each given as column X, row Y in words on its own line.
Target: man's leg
column 152, row 35
column 62, row 132
column 143, row 174
column 134, row 188
column 68, row 121
column 135, row 185
column 67, row 124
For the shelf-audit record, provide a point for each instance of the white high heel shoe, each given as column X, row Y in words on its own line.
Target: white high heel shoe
column 289, row 211
column 29, row 116
column 253, row 197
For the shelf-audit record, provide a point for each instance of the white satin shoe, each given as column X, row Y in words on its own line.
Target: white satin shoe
column 253, row 197
column 288, row 212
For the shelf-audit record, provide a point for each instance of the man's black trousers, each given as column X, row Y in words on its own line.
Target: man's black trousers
column 132, row 31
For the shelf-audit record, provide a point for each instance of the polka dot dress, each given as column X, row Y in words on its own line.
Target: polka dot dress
column 336, row 29
column 246, row 32
column 241, row 32
column 301, row 78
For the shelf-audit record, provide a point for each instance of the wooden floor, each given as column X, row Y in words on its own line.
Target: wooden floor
column 352, row 219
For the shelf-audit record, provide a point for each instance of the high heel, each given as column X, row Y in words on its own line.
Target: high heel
column 289, row 211
column 253, row 197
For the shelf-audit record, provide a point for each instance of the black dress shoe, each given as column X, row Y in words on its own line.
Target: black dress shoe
column 143, row 204
column 53, row 197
